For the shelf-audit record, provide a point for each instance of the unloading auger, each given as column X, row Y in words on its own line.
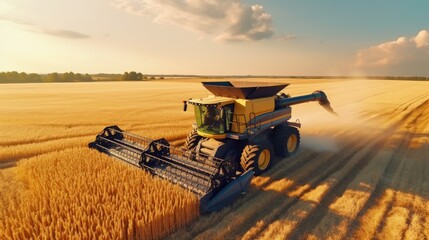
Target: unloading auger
column 236, row 134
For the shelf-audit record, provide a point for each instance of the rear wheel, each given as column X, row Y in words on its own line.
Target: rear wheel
column 257, row 157
column 192, row 140
column 286, row 140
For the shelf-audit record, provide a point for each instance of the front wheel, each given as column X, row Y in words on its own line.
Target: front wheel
column 192, row 140
column 257, row 157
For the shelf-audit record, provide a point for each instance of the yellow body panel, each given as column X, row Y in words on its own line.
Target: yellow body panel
column 275, row 119
column 214, row 136
column 245, row 109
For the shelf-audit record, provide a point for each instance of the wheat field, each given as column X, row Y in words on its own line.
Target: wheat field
column 361, row 176
column 75, row 193
column 61, row 189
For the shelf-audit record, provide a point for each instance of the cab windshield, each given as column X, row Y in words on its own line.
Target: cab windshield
column 211, row 120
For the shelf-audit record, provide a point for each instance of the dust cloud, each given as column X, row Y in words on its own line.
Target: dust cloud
column 320, row 143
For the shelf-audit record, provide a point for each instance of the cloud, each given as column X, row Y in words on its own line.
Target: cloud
column 422, row 39
column 229, row 20
column 14, row 20
column 65, row 33
column 404, row 56
column 28, row 26
column 287, row 37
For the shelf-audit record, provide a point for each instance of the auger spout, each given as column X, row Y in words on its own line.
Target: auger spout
column 319, row 96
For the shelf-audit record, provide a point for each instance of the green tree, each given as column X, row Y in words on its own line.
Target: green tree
column 23, row 77
column 52, row 77
column 133, row 76
column 139, row 76
column 87, row 77
column 126, row 76
column 33, row 77
column 68, row 77
column 13, row 77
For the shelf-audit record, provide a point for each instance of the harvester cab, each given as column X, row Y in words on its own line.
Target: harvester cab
column 213, row 116
column 236, row 134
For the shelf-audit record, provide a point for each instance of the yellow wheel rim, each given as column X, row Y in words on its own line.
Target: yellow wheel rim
column 291, row 143
column 264, row 159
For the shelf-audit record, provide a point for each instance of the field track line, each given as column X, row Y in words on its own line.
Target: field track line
column 319, row 214
column 331, row 218
column 410, row 103
column 13, row 163
column 251, row 196
column 32, row 150
column 306, row 176
column 309, row 175
column 383, row 224
column 397, row 109
column 342, row 185
column 44, row 140
column 382, row 85
column 391, row 171
column 284, row 169
column 7, row 164
column 409, row 179
column 332, row 179
column 53, row 138
column 285, row 205
column 366, row 159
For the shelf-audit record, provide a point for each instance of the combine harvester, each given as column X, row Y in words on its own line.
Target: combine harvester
column 236, row 135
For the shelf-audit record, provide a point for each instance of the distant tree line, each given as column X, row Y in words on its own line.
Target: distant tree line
column 136, row 76
column 413, row 78
column 132, row 76
column 417, row 78
column 22, row 77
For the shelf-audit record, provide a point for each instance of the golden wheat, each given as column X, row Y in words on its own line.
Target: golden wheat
column 79, row 193
column 67, row 192
column 38, row 121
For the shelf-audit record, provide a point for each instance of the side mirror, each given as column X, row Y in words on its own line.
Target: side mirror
column 185, row 106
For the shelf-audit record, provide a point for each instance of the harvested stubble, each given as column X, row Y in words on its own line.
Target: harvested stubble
column 79, row 193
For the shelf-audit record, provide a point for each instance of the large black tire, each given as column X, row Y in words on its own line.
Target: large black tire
column 258, row 157
column 192, row 140
column 286, row 140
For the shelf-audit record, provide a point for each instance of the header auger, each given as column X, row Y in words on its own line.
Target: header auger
column 237, row 133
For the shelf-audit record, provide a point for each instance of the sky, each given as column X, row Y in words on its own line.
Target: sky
column 209, row 37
